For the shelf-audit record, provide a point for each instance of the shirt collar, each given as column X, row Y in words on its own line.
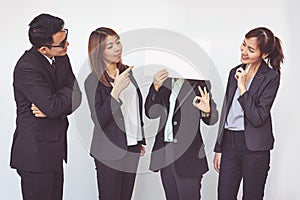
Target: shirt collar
column 50, row 60
column 178, row 82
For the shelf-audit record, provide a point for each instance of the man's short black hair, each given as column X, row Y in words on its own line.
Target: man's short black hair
column 42, row 28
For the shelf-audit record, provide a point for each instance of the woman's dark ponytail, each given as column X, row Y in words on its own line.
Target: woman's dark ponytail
column 275, row 58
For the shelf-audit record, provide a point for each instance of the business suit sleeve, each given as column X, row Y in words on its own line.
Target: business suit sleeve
column 31, row 82
column 153, row 101
column 213, row 117
column 257, row 110
column 107, row 108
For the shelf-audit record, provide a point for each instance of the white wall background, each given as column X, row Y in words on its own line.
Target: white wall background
column 223, row 23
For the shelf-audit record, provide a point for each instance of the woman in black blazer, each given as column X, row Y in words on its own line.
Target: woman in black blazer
column 178, row 151
column 116, row 103
column 245, row 131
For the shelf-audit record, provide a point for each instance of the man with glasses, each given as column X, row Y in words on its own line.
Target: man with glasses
column 45, row 91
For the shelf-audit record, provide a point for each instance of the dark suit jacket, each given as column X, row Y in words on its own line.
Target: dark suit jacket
column 40, row 144
column 188, row 151
column 256, row 103
column 109, row 140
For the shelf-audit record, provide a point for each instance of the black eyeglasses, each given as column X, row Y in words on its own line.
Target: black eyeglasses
column 62, row 44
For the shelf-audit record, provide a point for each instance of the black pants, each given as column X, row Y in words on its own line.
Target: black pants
column 237, row 163
column 175, row 186
column 179, row 188
column 116, row 177
column 42, row 185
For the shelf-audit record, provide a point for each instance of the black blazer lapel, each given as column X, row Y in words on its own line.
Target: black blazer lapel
column 184, row 93
column 258, row 78
column 231, row 91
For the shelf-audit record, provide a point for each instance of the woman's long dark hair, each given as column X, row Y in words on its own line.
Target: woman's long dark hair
column 268, row 44
column 95, row 50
